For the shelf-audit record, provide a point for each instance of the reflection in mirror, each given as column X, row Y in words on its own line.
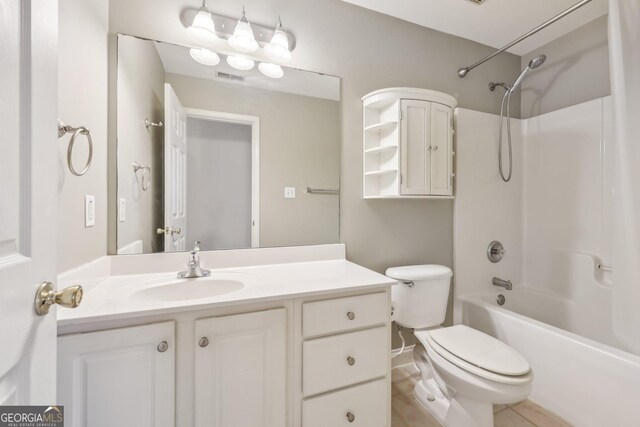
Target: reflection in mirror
column 222, row 156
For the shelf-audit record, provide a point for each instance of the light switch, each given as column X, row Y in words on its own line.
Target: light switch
column 89, row 211
column 122, row 210
column 289, row 192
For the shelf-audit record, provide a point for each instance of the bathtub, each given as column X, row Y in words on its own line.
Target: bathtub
column 584, row 381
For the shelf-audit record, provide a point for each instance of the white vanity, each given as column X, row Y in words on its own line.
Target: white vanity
column 274, row 337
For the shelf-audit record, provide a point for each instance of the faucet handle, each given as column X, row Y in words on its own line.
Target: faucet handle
column 196, row 246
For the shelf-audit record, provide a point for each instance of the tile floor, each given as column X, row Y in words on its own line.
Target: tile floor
column 406, row 412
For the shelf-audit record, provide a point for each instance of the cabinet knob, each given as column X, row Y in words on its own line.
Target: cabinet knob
column 46, row 296
column 350, row 417
column 163, row 346
column 435, row 148
column 204, row 341
column 351, row 361
column 351, row 315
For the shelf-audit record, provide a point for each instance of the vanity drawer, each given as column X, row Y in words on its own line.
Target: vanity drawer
column 343, row 314
column 367, row 405
column 341, row 360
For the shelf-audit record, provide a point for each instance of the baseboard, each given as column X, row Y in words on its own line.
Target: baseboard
column 405, row 358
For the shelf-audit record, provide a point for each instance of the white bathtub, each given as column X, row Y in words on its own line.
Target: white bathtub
column 584, row 381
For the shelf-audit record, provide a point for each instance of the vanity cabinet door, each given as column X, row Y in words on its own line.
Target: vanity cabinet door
column 119, row 377
column 240, row 370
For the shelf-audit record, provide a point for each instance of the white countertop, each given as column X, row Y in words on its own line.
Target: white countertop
column 109, row 298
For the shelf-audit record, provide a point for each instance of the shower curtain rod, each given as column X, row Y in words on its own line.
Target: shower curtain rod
column 463, row 71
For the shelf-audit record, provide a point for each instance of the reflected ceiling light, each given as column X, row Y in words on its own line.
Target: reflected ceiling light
column 271, row 70
column 243, row 39
column 278, row 49
column 241, row 63
column 203, row 30
column 204, row 56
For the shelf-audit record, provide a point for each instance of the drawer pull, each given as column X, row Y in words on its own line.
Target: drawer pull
column 351, row 315
column 163, row 346
column 204, row 341
column 350, row 417
column 351, row 361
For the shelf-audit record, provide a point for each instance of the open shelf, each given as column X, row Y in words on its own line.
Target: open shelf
column 383, row 149
column 380, row 127
column 381, row 172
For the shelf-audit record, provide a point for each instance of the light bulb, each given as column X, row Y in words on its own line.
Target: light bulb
column 204, row 56
column 271, row 70
column 243, row 39
column 278, row 49
column 203, row 30
column 240, row 63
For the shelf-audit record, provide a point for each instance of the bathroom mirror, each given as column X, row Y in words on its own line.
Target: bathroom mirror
column 233, row 159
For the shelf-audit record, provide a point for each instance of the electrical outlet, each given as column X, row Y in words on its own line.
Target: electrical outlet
column 89, row 211
column 122, row 210
column 289, row 192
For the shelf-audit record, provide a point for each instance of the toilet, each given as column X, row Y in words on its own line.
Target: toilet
column 464, row 372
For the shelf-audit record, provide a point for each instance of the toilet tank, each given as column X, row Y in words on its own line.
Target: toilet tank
column 423, row 302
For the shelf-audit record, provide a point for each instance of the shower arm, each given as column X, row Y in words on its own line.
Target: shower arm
column 463, row 71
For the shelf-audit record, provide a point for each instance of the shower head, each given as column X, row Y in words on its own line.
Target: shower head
column 533, row 64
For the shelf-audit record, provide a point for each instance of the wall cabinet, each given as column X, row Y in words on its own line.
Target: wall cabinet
column 408, row 144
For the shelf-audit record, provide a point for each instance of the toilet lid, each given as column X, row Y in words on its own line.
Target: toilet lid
column 481, row 350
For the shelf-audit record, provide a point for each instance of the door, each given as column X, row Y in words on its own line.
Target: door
column 441, row 148
column 28, row 198
column 120, row 377
column 415, row 147
column 240, row 370
column 175, row 172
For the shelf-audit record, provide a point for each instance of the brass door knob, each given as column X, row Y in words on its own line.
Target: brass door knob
column 46, row 296
column 169, row 230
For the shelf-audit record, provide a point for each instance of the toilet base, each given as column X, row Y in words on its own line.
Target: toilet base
column 451, row 412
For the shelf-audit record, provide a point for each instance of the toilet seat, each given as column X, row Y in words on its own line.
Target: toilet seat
column 477, row 353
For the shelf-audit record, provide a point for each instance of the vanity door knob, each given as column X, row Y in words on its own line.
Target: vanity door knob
column 204, row 341
column 163, row 346
column 46, row 296
column 350, row 417
column 351, row 315
column 351, row 361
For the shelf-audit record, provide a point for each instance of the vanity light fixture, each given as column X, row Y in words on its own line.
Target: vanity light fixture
column 203, row 30
column 243, row 39
column 241, row 63
column 278, row 48
column 271, row 70
column 204, row 56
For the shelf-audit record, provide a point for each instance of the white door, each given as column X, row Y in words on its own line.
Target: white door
column 28, row 198
column 175, row 172
column 120, row 377
column 441, row 141
column 240, row 370
column 415, row 147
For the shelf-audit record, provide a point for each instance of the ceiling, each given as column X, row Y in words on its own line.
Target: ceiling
column 495, row 22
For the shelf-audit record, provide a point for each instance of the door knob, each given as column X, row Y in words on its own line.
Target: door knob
column 46, row 296
column 169, row 230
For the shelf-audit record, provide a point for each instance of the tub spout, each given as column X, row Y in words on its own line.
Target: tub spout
column 502, row 283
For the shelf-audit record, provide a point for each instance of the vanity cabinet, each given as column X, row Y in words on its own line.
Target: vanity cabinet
column 408, row 144
column 241, row 370
column 122, row 377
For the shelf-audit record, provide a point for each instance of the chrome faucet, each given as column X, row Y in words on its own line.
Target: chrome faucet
column 502, row 283
column 193, row 266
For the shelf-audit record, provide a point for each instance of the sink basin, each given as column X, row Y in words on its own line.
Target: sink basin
column 187, row 289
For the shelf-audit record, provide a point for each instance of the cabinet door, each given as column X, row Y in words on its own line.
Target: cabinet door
column 240, row 370
column 415, row 146
column 441, row 147
column 120, row 377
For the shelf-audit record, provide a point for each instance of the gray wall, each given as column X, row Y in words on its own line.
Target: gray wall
column 82, row 85
column 576, row 71
column 299, row 147
column 140, row 96
column 218, row 184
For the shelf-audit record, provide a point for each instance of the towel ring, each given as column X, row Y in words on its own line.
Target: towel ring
column 146, row 171
column 64, row 129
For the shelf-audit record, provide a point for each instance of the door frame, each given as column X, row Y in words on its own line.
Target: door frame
column 254, row 122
